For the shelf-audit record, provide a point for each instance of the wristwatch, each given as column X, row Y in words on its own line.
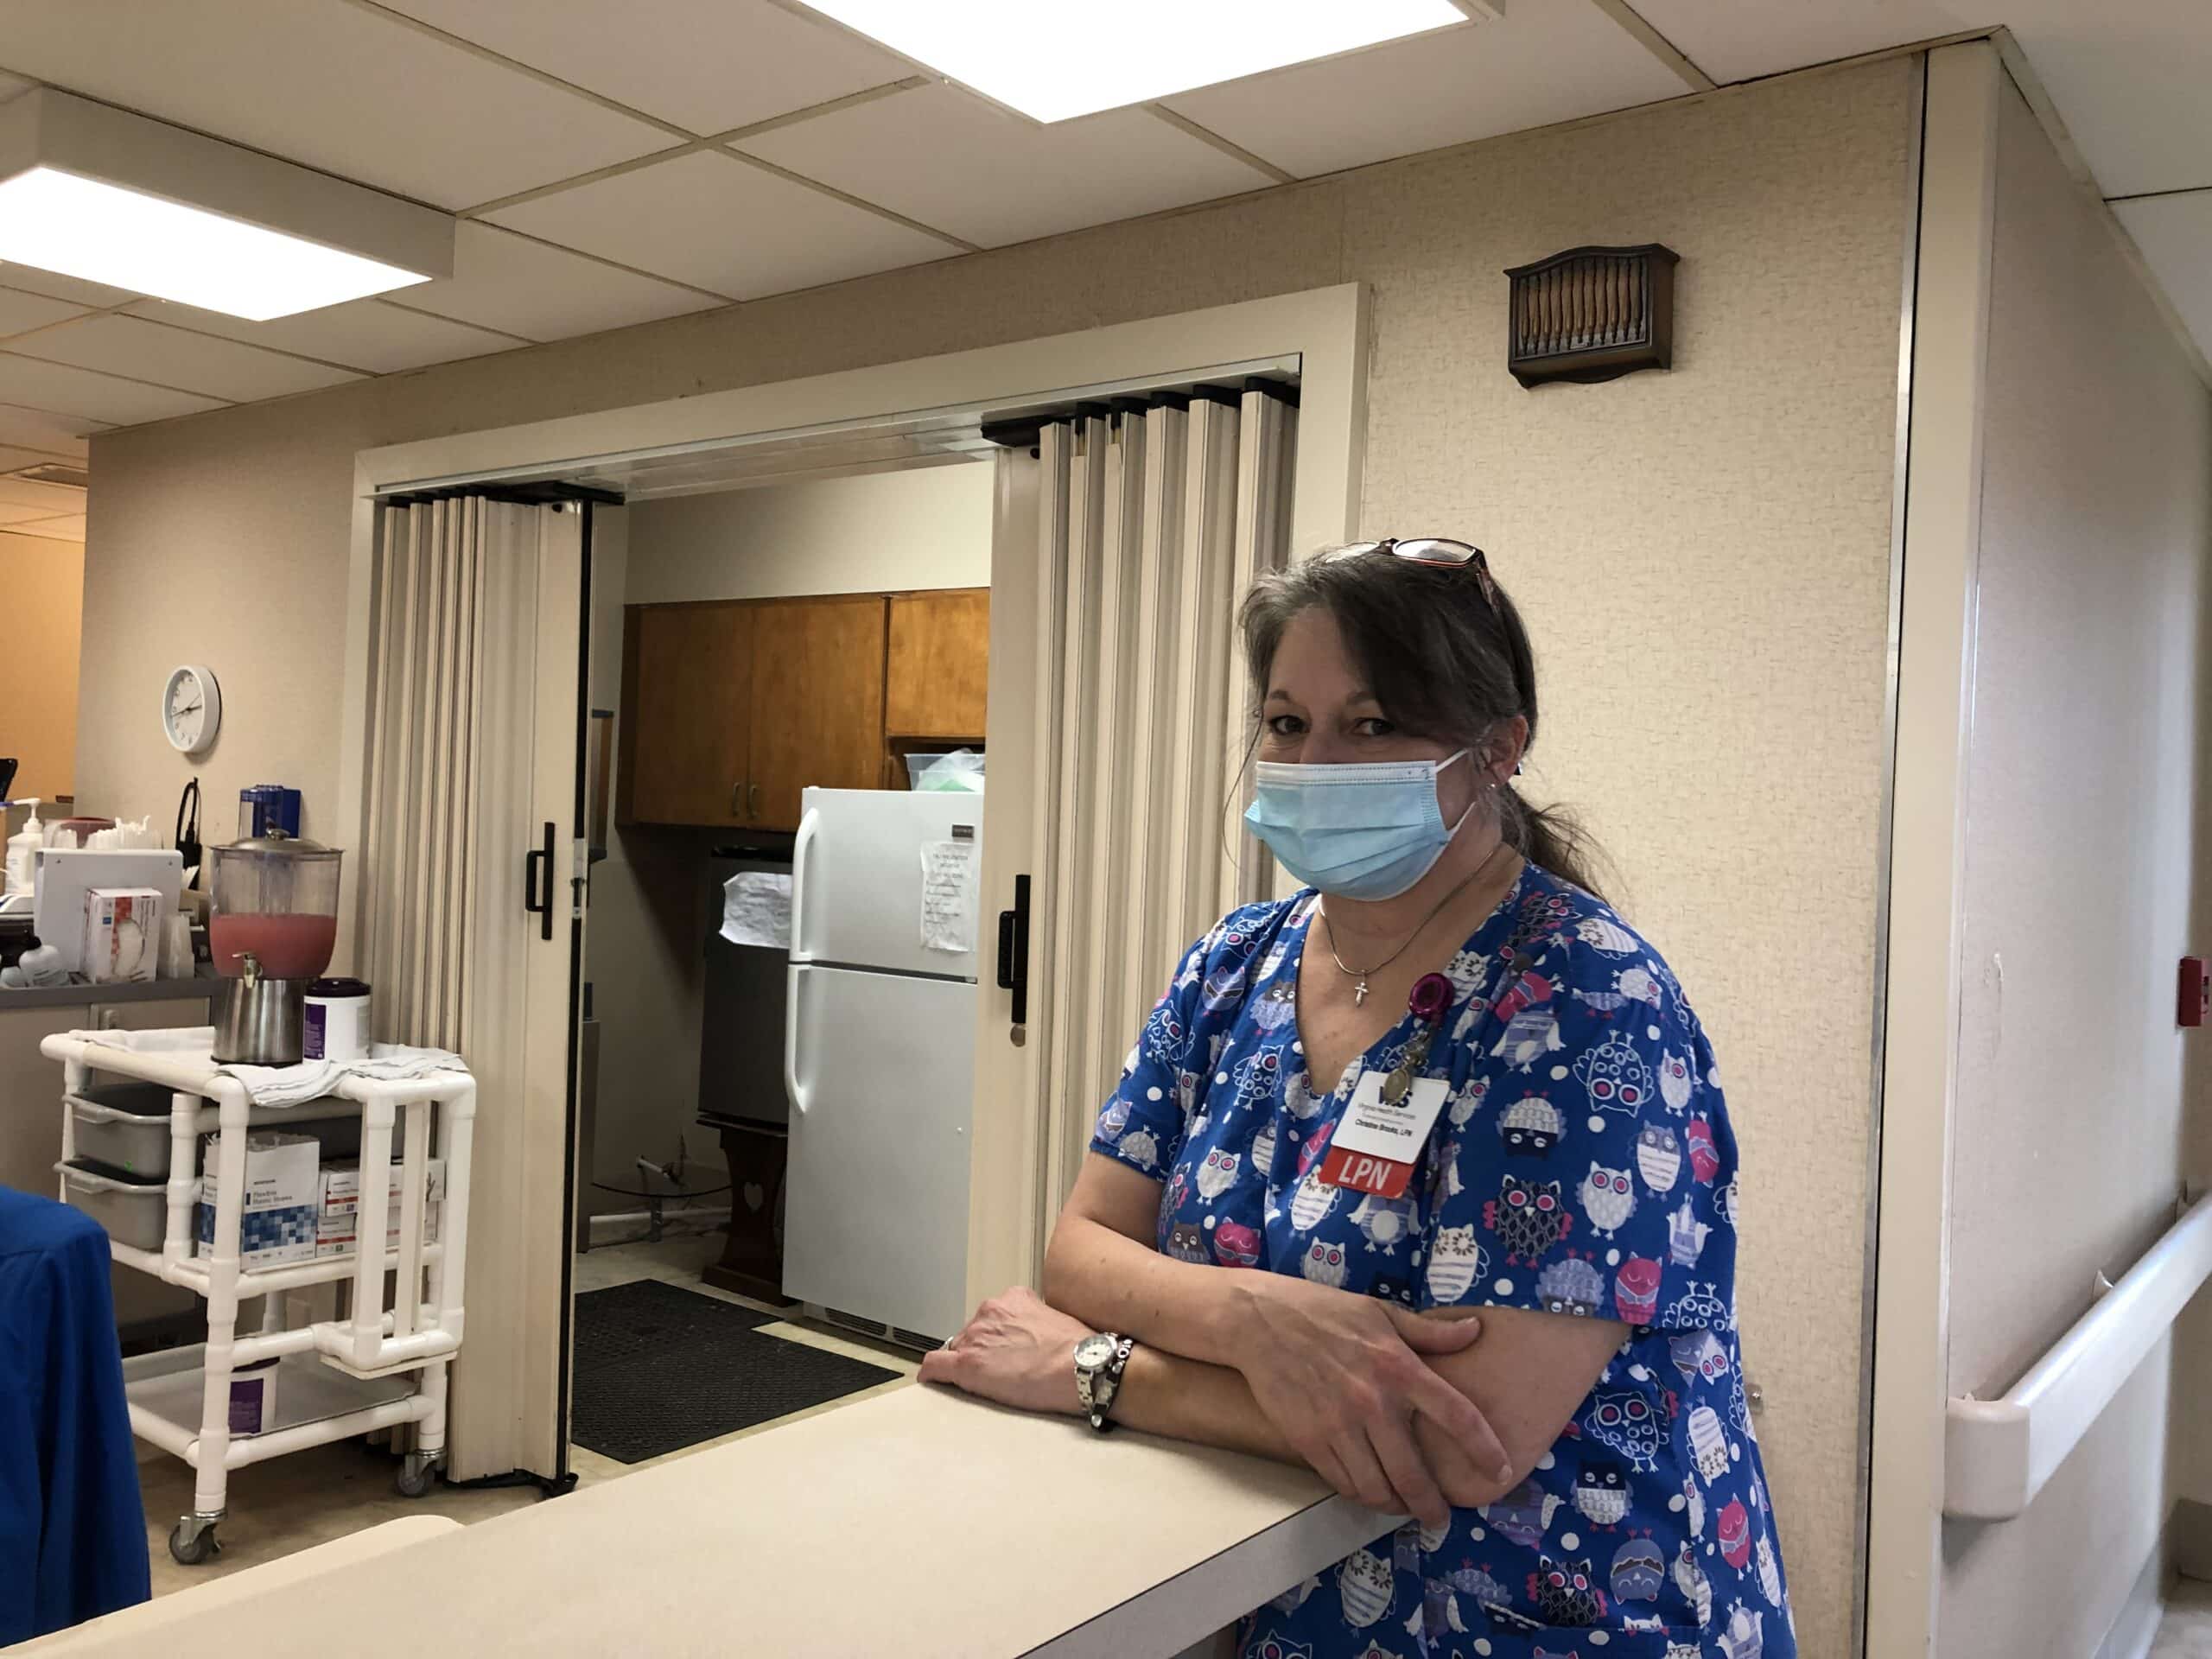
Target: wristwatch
column 1099, row 1363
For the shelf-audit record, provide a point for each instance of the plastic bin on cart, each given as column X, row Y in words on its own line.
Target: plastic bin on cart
column 133, row 1212
column 124, row 1126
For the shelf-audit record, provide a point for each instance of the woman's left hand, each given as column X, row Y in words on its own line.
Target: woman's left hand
column 1017, row 1351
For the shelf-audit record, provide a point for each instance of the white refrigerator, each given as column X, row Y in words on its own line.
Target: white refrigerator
column 878, row 1057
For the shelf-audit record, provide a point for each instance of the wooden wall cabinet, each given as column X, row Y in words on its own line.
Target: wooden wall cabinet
column 687, row 714
column 817, row 701
column 732, row 708
column 938, row 665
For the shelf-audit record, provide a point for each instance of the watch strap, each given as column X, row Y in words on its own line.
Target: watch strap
column 1105, row 1385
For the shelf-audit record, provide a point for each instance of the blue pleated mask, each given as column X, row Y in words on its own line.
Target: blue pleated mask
column 1369, row 830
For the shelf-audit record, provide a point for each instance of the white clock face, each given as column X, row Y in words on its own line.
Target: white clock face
column 192, row 710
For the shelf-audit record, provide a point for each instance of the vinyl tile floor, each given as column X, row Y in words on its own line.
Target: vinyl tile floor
column 313, row 1496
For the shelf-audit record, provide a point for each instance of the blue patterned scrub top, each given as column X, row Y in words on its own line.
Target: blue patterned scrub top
column 1583, row 1165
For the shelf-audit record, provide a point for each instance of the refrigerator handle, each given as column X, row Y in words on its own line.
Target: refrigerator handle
column 809, row 826
column 797, row 980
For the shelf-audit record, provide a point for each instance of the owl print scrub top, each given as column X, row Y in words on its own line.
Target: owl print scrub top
column 1583, row 1165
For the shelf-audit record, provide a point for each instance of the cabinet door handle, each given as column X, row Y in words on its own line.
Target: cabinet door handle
column 753, row 801
column 737, row 800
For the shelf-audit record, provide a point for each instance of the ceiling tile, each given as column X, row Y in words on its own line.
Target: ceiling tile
column 2175, row 233
column 71, row 528
column 709, row 68
column 947, row 158
column 54, row 437
column 13, row 513
column 1736, row 40
column 329, row 85
column 46, row 501
column 13, row 460
column 719, row 222
column 2128, row 77
column 30, row 279
column 363, row 335
column 63, row 390
column 1555, row 60
column 19, row 311
column 510, row 283
column 173, row 357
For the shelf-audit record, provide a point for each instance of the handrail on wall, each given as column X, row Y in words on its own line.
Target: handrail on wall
column 1997, row 1454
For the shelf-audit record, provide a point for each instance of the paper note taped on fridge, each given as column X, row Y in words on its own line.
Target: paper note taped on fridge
column 949, row 896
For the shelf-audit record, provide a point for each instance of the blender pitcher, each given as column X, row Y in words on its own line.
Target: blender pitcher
column 272, row 923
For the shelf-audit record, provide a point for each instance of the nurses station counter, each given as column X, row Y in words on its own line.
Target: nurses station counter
column 920, row 1522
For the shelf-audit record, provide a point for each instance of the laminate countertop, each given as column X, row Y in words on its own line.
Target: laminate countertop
column 72, row 996
column 918, row 1523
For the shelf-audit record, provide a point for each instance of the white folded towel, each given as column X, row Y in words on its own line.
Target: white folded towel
column 290, row 1086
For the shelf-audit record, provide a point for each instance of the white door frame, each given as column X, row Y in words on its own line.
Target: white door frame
column 1323, row 332
column 1949, row 312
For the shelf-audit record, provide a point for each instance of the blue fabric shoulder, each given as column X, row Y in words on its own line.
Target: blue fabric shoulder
column 1141, row 1124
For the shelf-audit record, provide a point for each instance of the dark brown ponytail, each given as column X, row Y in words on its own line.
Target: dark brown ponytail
column 1447, row 659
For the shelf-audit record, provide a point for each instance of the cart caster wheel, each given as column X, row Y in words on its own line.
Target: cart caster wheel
column 411, row 1482
column 198, row 1547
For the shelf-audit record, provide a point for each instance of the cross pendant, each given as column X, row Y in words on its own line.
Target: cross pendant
column 1359, row 992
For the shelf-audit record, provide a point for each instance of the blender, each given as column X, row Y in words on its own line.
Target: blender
column 272, row 923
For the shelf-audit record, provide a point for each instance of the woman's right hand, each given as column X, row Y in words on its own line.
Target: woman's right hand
column 1341, row 1376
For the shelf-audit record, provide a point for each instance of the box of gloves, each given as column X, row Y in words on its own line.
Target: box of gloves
column 282, row 1191
column 338, row 1218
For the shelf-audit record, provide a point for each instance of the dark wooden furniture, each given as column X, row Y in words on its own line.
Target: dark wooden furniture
column 730, row 709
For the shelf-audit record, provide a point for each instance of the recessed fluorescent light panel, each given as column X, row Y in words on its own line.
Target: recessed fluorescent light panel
column 1055, row 60
column 111, row 197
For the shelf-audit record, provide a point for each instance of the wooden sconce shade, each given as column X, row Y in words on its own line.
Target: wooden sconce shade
column 1592, row 314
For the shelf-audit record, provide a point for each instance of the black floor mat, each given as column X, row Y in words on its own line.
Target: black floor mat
column 659, row 1368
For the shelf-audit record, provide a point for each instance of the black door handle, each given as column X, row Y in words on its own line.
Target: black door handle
column 536, row 873
column 1014, row 951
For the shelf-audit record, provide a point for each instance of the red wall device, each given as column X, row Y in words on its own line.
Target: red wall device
column 2196, row 998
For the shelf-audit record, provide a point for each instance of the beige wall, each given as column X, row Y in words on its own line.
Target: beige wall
column 926, row 527
column 2082, row 787
column 1704, row 557
column 43, row 582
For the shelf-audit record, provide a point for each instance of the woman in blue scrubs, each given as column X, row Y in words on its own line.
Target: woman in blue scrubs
column 1463, row 1120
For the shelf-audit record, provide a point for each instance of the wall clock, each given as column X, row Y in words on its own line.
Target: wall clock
column 192, row 710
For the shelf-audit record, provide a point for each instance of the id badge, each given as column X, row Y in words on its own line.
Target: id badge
column 1375, row 1146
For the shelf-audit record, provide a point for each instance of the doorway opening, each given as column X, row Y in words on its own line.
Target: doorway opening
column 781, row 644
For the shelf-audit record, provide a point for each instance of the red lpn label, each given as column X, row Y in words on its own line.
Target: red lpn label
column 1363, row 1172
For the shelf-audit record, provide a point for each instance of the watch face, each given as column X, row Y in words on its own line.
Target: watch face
column 1094, row 1351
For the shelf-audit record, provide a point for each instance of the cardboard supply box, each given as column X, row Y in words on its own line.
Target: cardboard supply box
column 122, row 934
column 282, row 1188
column 340, row 1234
column 342, row 1185
column 337, row 1225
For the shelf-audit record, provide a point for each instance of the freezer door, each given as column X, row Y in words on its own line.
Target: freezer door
column 881, row 1074
column 856, row 878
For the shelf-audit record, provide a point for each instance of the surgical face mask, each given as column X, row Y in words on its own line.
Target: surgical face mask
column 1363, row 831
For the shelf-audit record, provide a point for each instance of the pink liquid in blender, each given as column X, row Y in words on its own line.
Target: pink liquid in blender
column 286, row 946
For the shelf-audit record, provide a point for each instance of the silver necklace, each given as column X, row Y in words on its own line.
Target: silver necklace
column 1360, row 975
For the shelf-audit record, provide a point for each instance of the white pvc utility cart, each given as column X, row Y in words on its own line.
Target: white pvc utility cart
column 380, row 1366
